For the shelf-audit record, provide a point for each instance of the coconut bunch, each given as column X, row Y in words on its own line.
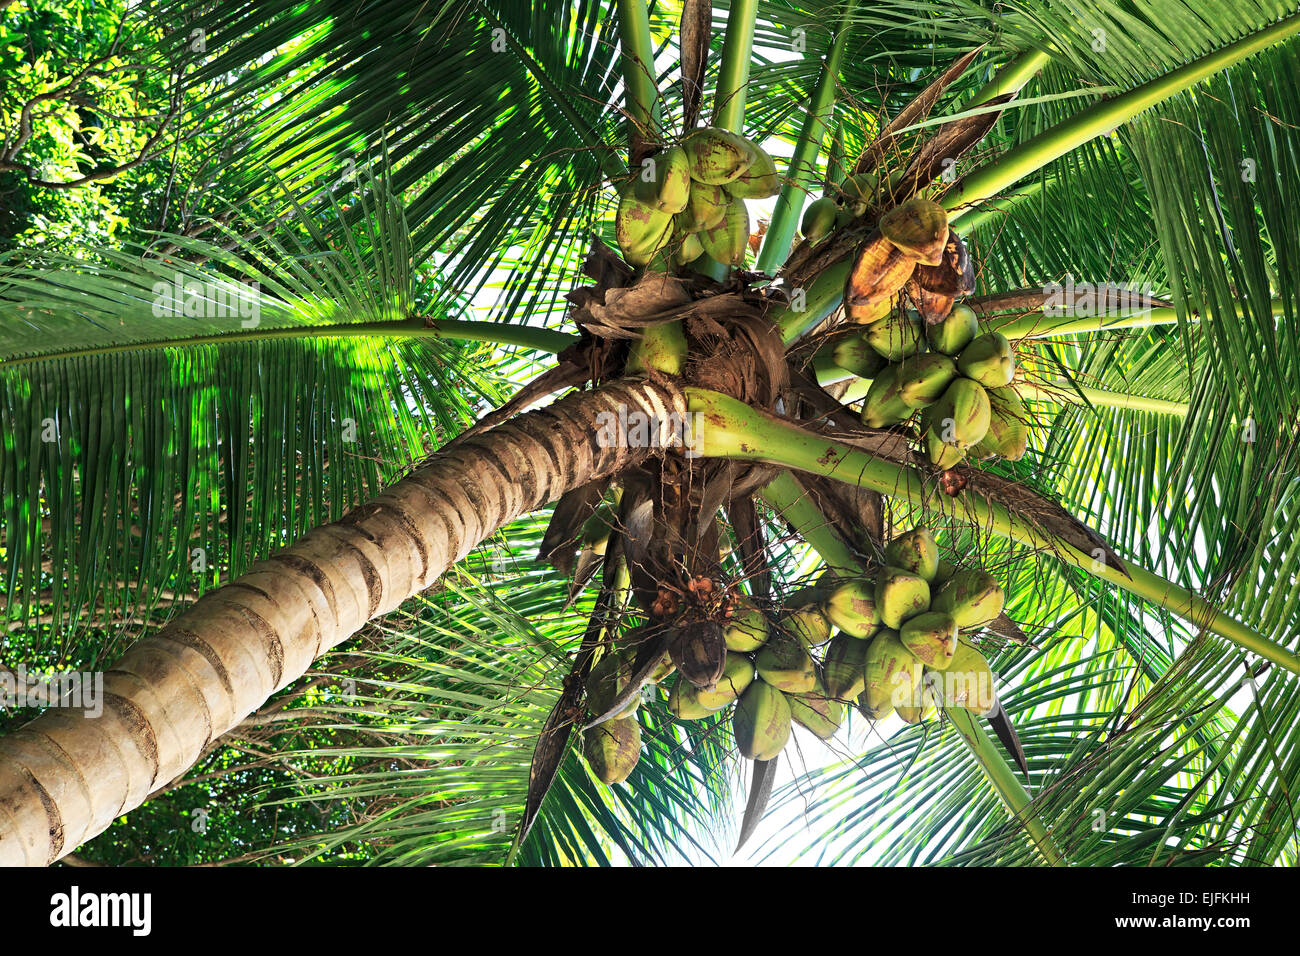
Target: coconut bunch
column 906, row 628
column 928, row 358
column 852, row 199
column 870, row 642
column 959, row 380
column 689, row 199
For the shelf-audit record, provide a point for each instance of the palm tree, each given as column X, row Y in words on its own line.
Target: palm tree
column 1145, row 544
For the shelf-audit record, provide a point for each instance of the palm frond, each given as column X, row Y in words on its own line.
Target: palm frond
column 197, row 391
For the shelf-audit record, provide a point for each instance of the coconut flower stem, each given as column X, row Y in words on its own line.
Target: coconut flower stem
column 728, row 428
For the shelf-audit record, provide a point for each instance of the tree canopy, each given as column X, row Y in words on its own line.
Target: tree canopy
column 395, row 202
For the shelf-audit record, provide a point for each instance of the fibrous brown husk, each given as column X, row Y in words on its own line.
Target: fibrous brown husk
column 879, row 271
column 622, row 312
column 736, row 349
column 699, row 651
column 948, row 144
column 934, row 290
column 917, row 109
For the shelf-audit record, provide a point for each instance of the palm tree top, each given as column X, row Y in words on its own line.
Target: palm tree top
column 822, row 289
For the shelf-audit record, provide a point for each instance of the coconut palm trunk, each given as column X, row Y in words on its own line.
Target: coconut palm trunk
column 67, row 775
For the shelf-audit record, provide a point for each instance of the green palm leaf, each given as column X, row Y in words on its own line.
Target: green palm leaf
column 197, row 422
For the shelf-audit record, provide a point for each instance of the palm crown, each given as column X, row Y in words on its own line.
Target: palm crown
column 1134, row 505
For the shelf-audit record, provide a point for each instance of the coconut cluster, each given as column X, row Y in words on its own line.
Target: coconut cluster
column 689, row 200
column 892, row 642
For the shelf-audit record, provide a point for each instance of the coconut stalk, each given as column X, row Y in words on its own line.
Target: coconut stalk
column 1101, row 118
column 1011, row 78
column 1004, row 780
column 1039, row 326
column 1002, row 204
column 641, row 95
column 794, row 506
column 733, row 75
column 731, row 429
column 802, row 174
column 1061, row 392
